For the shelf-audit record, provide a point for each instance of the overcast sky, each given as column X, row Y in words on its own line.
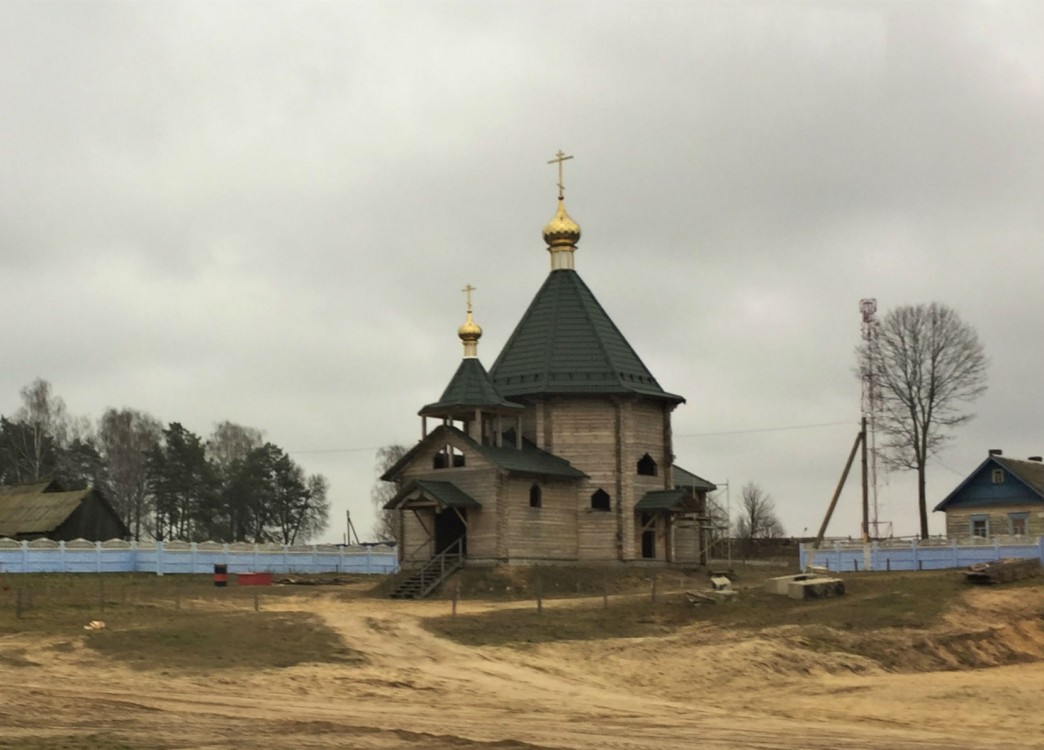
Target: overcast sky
column 265, row 212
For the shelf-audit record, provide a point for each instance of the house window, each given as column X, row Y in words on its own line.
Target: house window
column 998, row 476
column 980, row 526
column 1017, row 523
column 535, row 500
column 646, row 466
column 600, row 500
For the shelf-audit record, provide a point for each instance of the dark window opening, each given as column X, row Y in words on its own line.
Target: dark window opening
column 535, row 500
column 600, row 500
column 448, row 457
column 646, row 466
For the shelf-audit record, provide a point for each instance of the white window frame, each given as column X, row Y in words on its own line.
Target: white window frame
column 979, row 518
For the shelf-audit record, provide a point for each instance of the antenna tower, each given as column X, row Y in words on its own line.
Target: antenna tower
column 871, row 401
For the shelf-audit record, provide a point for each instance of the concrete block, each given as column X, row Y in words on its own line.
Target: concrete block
column 780, row 585
column 815, row 588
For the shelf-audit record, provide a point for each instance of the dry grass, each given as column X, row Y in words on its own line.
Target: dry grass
column 181, row 623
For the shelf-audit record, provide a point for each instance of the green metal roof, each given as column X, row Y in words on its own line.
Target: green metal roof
column 662, row 500
column 566, row 343
column 688, row 480
column 470, row 388
column 444, row 493
column 525, row 460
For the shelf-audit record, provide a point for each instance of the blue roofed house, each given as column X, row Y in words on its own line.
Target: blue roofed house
column 1002, row 497
column 562, row 451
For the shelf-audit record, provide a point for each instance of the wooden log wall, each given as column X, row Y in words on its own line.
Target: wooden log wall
column 544, row 533
column 958, row 520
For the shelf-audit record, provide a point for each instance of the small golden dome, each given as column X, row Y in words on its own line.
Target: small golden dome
column 470, row 331
column 561, row 231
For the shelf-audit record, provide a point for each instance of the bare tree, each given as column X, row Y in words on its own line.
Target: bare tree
column 46, row 426
column 384, row 526
column 757, row 515
column 125, row 437
column 231, row 442
column 928, row 365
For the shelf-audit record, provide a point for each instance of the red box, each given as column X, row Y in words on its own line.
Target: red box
column 254, row 579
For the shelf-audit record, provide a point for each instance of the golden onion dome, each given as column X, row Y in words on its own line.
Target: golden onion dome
column 470, row 331
column 561, row 231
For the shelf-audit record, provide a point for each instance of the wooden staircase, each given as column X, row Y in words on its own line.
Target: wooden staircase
column 425, row 580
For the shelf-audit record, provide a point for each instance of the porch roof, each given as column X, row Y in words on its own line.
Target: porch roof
column 663, row 500
column 444, row 493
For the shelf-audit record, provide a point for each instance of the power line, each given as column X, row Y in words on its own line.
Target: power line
column 765, row 429
column 689, row 435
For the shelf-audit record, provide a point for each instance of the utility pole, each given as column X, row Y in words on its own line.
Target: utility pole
column 871, row 399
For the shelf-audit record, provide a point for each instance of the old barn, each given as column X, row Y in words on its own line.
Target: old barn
column 44, row 510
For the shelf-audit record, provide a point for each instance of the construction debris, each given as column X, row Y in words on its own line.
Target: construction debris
column 720, row 591
column 1003, row 571
column 805, row 586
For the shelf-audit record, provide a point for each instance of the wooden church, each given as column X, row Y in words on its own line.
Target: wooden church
column 561, row 452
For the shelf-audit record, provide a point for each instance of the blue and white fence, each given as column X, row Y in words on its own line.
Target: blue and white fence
column 46, row 556
column 923, row 555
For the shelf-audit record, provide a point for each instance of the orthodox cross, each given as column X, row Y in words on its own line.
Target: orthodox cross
column 467, row 292
column 560, row 157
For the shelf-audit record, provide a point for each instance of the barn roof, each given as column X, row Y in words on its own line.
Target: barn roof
column 40, row 485
column 37, row 512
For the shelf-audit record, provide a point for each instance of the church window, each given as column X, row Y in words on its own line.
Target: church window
column 535, row 500
column 646, row 466
column 600, row 500
column 448, row 456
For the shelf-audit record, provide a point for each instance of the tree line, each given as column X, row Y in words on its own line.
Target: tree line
column 166, row 482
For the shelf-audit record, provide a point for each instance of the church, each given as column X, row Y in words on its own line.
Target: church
column 560, row 452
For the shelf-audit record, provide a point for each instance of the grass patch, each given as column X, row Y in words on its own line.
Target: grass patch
column 873, row 601
column 187, row 641
column 170, row 622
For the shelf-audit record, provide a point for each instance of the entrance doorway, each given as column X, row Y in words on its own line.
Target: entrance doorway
column 449, row 527
column 648, row 536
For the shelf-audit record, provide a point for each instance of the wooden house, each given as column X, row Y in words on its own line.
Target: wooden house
column 44, row 510
column 562, row 451
column 1001, row 497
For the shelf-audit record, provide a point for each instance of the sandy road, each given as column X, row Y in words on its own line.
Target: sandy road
column 700, row 687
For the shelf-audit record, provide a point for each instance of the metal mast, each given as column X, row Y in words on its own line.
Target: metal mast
column 871, row 401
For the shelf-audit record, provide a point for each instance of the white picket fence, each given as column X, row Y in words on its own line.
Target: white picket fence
column 931, row 554
column 117, row 556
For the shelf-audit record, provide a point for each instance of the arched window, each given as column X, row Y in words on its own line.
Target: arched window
column 600, row 500
column 534, row 496
column 646, row 466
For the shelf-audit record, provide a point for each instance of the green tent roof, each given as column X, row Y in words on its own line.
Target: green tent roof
column 470, row 388
column 566, row 343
